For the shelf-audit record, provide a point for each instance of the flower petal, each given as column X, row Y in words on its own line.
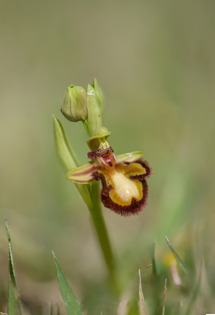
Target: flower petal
column 129, row 157
column 133, row 170
column 83, row 174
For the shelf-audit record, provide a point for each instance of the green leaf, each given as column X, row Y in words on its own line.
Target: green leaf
column 11, row 299
column 154, row 262
column 70, row 301
column 176, row 255
column 14, row 303
column 66, row 153
column 68, row 157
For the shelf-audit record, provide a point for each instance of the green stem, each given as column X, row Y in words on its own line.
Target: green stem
column 102, row 234
column 100, row 227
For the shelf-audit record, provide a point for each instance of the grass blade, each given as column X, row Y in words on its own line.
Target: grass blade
column 194, row 295
column 14, row 302
column 154, row 263
column 70, row 301
column 176, row 255
column 11, row 299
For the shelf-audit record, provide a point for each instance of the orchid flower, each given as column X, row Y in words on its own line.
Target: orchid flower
column 123, row 178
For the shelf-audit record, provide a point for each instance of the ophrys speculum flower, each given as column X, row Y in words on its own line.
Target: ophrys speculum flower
column 123, row 178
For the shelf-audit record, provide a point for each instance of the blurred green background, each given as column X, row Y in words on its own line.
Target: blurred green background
column 155, row 61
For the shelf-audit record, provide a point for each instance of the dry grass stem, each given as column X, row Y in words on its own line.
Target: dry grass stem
column 164, row 297
column 142, row 305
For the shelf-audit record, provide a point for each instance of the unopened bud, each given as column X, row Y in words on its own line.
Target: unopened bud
column 74, row 107
column 98, row 92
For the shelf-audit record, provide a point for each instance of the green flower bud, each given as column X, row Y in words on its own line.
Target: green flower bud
column 74, row 107
column 98, row 133
column 98, row 92
column 94, row 118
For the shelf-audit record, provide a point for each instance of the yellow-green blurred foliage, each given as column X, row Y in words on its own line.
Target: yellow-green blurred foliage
column 155, row 61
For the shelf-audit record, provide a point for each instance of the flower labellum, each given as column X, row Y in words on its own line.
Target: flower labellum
column 123, row 177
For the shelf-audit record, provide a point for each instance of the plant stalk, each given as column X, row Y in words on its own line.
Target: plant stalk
column 103, row 236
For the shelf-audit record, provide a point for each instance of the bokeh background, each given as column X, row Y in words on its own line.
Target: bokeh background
column 155, row 63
